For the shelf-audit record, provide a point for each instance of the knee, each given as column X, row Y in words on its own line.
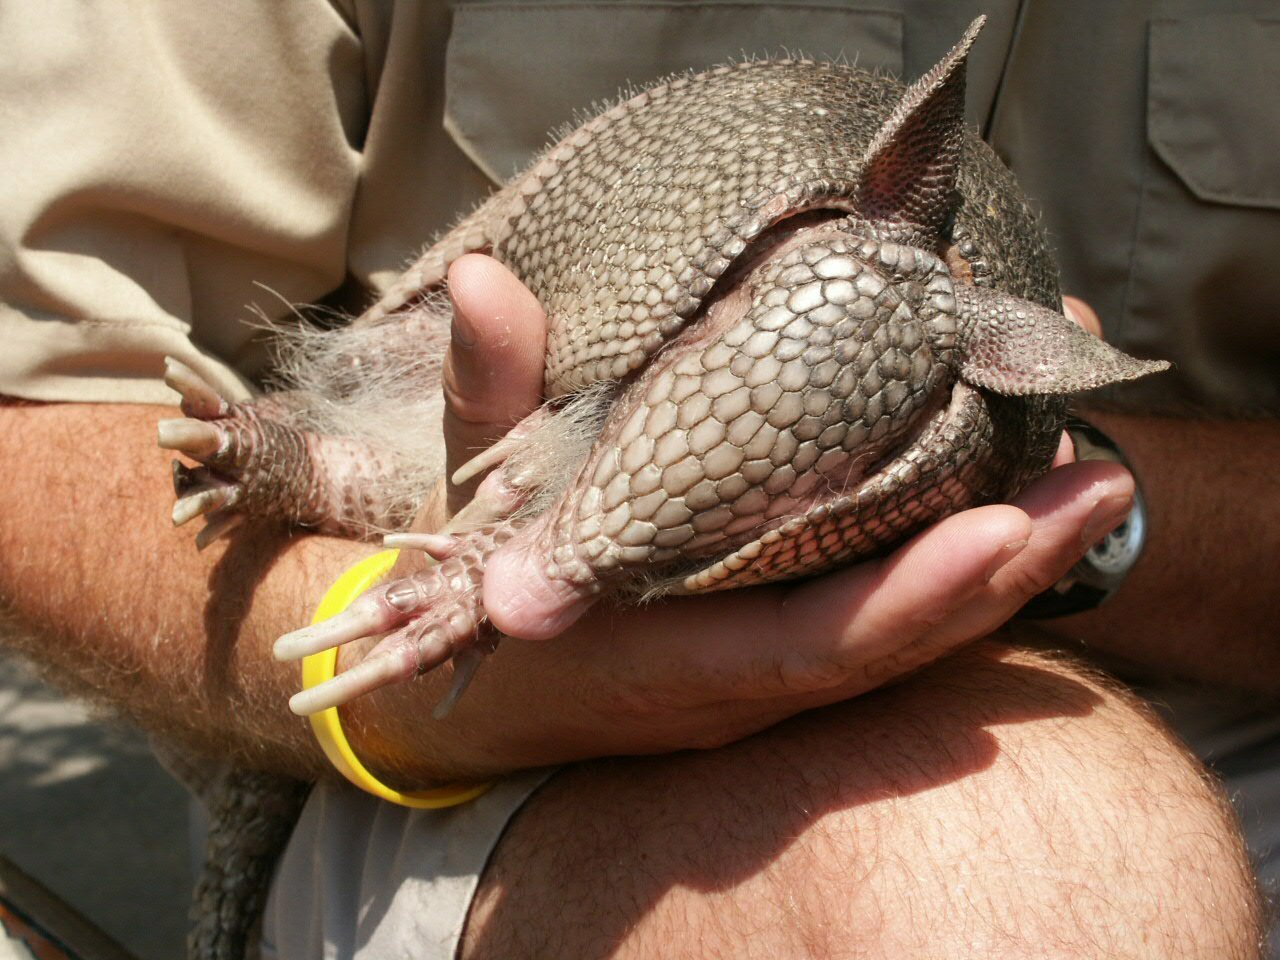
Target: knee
column 1000, row 803
column 1036, row 809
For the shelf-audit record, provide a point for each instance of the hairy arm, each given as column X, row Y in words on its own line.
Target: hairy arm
column 1201, row 604
column 121, row 606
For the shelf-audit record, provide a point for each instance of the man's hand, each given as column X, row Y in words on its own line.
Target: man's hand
column 702, row 671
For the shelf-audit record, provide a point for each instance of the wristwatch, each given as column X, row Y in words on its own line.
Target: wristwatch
column 1099, row 573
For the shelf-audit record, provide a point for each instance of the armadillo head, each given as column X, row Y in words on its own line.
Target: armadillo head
column 1002, row 343
column 818, row 408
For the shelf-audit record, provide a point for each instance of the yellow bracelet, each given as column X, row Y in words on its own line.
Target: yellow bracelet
column 319, row 667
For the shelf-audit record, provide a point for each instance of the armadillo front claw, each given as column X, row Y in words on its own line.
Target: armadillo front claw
column 200, row 491
column 195, row 438
column 199, row 400
column 223, row 438
column 217, row 525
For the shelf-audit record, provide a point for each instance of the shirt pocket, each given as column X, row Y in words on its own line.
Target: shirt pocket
column 1204, row 284
column 516, row 70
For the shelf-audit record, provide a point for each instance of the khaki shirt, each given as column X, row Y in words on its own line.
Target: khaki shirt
column 171, row 171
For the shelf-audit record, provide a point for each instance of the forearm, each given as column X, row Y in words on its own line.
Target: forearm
column 1201, row 604
column 121, row 606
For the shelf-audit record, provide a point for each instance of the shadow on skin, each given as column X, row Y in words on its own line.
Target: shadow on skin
column 233, row 582
column 606, row 841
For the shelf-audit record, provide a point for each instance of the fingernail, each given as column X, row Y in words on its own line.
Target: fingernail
column 462, row 331
column 1003, row 556
column 1107, row 514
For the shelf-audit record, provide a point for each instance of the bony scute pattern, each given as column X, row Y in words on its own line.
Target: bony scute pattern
column 669, row 189
column 846, row 341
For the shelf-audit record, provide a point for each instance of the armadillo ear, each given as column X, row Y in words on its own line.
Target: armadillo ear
column 909, row 171
column 1014, row 347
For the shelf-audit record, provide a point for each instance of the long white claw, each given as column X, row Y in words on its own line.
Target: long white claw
column 219, row 526
column 191, row 505
column 482, row 461
column 353, row 623
column 198, row 398
column 364, row 677
column 193, row 437
column 494, row 500
column 438, row 546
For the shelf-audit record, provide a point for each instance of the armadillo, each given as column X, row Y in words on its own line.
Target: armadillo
column 814, row 313
column 796, row 312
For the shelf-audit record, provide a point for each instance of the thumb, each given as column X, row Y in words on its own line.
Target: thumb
column 493, row 368
column 1083, row 315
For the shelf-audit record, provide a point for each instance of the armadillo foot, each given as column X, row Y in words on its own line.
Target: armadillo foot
column 252, row 461
column 416, row 644
column 216, row 434
column 428, row 617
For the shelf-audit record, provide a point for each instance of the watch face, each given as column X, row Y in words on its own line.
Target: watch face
column 1109, row 561
column 1111, row 558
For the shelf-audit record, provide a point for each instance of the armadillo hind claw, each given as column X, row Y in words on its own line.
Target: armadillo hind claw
column 364, row 677
column 466, row 663
column 413, row 650
column 437, row 546
column 490, row 457
column 365, row 617
column 432, row 615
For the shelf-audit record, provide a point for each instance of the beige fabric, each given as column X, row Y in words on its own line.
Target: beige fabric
column 170, row 168
column 365, row 879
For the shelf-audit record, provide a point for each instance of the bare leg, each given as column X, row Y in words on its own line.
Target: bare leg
column 998, row 804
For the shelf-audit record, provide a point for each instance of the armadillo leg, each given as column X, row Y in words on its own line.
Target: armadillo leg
column 253, row 464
